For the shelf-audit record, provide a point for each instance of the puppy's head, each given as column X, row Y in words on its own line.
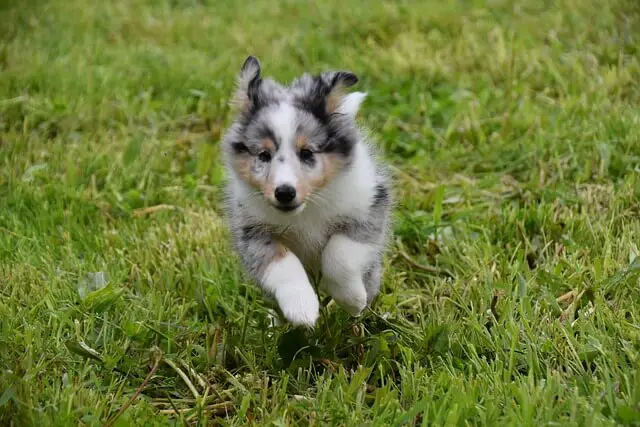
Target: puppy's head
column 290, row 142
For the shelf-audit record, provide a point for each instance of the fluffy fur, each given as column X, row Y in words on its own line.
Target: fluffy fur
column 306, row 195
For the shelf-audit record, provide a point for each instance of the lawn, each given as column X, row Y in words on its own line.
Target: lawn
column 511, row 294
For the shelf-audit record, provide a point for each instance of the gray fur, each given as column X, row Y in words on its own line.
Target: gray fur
column 255, row 245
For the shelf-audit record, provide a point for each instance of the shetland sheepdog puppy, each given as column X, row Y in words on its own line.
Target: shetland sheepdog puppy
column 306, row 194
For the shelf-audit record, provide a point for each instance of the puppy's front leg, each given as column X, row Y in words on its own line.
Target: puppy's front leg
column 281, row 274
column 287, row 280
column 343, row 264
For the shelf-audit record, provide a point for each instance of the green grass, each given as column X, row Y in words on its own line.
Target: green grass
column 514, row 131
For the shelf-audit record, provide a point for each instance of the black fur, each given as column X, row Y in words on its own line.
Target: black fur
column 381, row 196
column 338, row 145
column 239, row 148
column 315, row 101
column 347, row 78
column 251, row 61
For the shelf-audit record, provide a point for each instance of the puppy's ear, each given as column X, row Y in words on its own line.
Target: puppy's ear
column 337, row 79
column 247, row 84
column 350, row 104
column 337, row 82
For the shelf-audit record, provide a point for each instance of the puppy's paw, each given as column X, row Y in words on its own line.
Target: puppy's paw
column 300, row 307
column 354, row 303
column 352, row 298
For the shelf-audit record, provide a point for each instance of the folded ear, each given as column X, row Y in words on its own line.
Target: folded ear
column 247, row 83
column 336, row 79
column 337, row 82
column 350, row 104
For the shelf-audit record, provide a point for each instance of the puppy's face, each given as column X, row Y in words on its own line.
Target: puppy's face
column 286, row 155
column 291, row 142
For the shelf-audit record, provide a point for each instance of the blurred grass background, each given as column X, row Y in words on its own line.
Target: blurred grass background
column 512, row 129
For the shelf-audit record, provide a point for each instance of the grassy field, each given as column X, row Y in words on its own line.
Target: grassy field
column 513, row 129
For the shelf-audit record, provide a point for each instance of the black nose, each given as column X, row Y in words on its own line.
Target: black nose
column 285, row 194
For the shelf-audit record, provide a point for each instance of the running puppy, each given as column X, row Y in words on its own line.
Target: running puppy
column 305, row 193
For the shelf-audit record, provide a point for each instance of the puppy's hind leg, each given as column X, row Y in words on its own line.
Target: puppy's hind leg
column 372, row 277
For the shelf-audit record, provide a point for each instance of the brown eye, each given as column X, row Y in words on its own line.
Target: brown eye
column 306, row 155
column 264, row 156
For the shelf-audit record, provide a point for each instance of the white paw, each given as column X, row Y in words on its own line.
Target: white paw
column 342, row 263
column 352, row 298
column 287, row 280
column 354, row 304
column 299, row 306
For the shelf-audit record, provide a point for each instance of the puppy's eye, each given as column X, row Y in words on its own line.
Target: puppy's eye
column 306, row 155
column 239, row 148
column 264, row 156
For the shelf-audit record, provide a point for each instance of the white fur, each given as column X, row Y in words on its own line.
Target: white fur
column 283, row 122
column 343, row 261
column 284, row 173
column 350, row 103
column 287, row 280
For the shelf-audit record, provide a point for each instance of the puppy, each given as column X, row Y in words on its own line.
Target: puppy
column 306, row 196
